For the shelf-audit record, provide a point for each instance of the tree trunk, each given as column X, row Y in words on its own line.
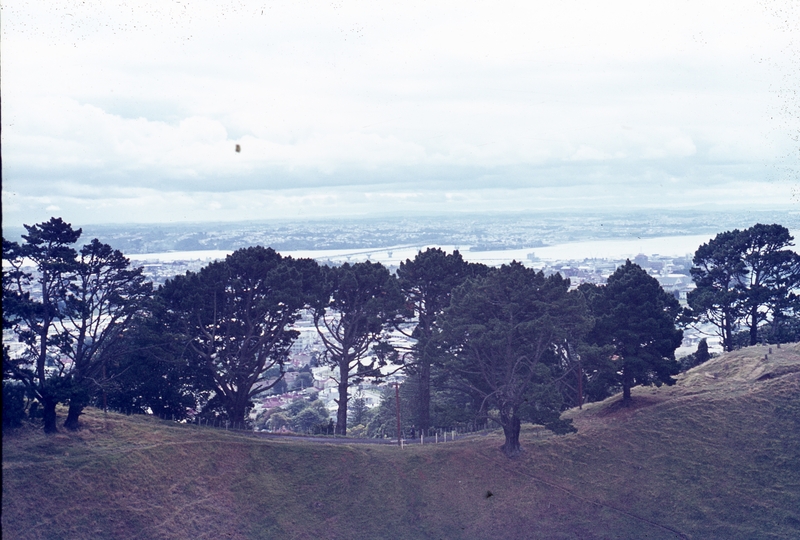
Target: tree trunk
column 72, row 423
column 627, row 383
column 727, row 337
column 754, row 326
column 341, row 413
column 49, row 415
column 424, row 398
column 236, row 415
column 237, row 409
column 511, row 428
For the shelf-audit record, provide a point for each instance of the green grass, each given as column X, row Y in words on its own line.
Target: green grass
column 716, row 456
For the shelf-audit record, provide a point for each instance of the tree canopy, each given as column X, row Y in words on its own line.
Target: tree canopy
column 500, row 332
column 361, row 303
column 427, row 283
column 69, row 314
column 236, row 317
column 745, row 278
column 508, row 344
column 635, row 324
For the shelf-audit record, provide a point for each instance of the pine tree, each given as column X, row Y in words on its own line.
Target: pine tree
column 360, row 305
column 427, row 283
column 745, row 278
column 500, row 333
column 635, row 325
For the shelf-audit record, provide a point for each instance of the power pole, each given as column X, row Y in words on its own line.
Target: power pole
column 105, row 399
column 397, row 403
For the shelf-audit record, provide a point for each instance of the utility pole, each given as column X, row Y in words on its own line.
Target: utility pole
column 397, row 403
column 105, row 399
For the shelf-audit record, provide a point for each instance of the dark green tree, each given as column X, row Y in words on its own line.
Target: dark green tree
column 745, row 277
column 772, row 275
column 301, row 415
column 500, row 333
column 308, row 418
column 13, row 403
column 359, row 412
column 634, row 324
column 82, row 307
column 303, row 380
column 383, row 421
column 700, row 356
column 361, row 304
column 280, row 387
column 718, row 269
column 34, row 304
column 102, row 298
column 235, row 317
column 147, row 371
column 427, row 283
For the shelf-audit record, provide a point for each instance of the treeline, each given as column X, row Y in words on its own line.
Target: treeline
column 477, row 344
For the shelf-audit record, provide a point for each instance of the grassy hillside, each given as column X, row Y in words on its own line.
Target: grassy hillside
column 716, row 456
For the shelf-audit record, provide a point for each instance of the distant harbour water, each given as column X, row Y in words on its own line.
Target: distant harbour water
column 618, row 249
column 172, row 256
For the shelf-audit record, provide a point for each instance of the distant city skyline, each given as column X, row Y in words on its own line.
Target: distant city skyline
column 230, row 111
column 479, row 233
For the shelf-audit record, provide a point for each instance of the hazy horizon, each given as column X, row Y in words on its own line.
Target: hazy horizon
column 481, row 232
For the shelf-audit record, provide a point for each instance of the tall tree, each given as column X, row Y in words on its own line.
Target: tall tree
column 744, row 277
column 361, row 303
column 717, row 271
column 635, row 321
column 427, row 283
column 146, row 372
column 236, row 316
column 102, row 298
column 772, row 276
column 69, row 314
column 35, row 304
column 501, row 332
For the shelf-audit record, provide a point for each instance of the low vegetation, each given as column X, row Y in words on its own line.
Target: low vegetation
column 714, row 456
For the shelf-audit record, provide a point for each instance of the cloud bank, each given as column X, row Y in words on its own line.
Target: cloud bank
column 113, row 113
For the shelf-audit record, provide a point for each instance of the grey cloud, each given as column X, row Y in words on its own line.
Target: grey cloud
column 619, row 174
column 373, row 108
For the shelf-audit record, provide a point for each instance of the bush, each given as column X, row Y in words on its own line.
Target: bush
column 278, row 421
column 359, row 431
column 13, row 404
column 306, row 420
column 301, row 416
column 696, row 358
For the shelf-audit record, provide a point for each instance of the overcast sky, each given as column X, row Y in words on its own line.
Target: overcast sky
column 131, row 111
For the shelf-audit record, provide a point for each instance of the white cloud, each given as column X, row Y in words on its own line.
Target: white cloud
column 585, row 153
column 102, row 97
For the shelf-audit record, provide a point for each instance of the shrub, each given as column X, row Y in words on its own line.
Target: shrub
column 13, row 404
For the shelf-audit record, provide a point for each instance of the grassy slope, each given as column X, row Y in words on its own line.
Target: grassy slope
column 716, row 456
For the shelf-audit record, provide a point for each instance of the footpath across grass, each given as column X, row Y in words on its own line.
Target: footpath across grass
column 715, row 456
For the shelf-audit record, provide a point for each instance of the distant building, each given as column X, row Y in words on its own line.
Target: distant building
column 677, row 284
